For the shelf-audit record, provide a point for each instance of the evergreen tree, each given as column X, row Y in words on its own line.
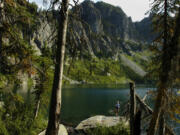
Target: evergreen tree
column 18, row 20
column 163, row 9
column 17, row 23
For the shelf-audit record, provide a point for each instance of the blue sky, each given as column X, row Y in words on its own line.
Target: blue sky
column 134, row 8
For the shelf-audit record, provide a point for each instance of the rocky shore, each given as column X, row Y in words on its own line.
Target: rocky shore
column 91, row 123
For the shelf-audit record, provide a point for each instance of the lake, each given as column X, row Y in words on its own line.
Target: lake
column 81, row 102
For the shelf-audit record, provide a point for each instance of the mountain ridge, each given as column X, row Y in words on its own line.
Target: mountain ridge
column 111, row 31
column 102, row 31
column 117, row 19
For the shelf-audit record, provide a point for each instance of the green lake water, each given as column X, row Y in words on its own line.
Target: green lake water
column 81, row 102
column 84, row 101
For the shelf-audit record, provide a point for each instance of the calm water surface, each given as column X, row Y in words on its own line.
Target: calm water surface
column 79, row 103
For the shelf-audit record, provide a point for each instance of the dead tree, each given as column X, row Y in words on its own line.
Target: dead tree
column 55, row 104
column 137, row 123
column 145, row 107
column 135, row 118
column 132, row 107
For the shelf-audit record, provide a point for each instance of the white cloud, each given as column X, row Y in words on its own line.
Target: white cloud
column 134, row 8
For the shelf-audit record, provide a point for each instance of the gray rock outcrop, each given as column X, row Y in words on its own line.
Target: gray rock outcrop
column 100, row 120
column 62, row 131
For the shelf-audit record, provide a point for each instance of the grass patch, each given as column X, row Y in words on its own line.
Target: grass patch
column 120, row 129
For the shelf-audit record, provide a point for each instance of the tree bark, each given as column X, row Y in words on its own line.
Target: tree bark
column 132, row 108
column 55, row 104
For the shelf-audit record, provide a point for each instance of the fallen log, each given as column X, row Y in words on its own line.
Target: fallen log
column 143, row 105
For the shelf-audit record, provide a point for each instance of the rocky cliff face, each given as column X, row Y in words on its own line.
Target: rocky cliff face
column 111, row 31
column 104, row 30
column 110, row 20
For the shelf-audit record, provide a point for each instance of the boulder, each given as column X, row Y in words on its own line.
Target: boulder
column 62, row 130
column 100, row 120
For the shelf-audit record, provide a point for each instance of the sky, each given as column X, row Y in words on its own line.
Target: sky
column 136, row 9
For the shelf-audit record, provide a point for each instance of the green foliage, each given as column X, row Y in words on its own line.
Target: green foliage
column 18, row 59
column 3, row 130
column 17, row 114
column 101, row 71
column 120, row 129
column 165, row 49
column 16, row 53
column 16, row 117
column 44, row 79
column 162, row 49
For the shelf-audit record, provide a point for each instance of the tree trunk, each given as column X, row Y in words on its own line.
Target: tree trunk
column 164, row 76
column 55, row 104
column 174, row 45
column 132, row 108
column 137, row 123
column 37, row 108
column 144, row 106
column 156, row 113
column 162, row 124
column 170, row 51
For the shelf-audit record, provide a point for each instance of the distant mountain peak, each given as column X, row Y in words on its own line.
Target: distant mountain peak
column 112, row 20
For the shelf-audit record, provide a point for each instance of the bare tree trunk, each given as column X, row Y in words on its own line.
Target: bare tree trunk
column 55, row 104
column 164, row 76
column 156, row 113
column 137, row 123
column 40, row 88
column 162, row 124
column 144, row 106
column 37, row 108
column 132, row 108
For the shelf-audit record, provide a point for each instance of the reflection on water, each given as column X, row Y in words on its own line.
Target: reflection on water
column 81, row 102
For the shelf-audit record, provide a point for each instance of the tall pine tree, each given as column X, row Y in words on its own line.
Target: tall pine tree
column 163, row 11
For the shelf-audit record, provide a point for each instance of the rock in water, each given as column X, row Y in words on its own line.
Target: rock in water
column 62, row 130
column 101, row 120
